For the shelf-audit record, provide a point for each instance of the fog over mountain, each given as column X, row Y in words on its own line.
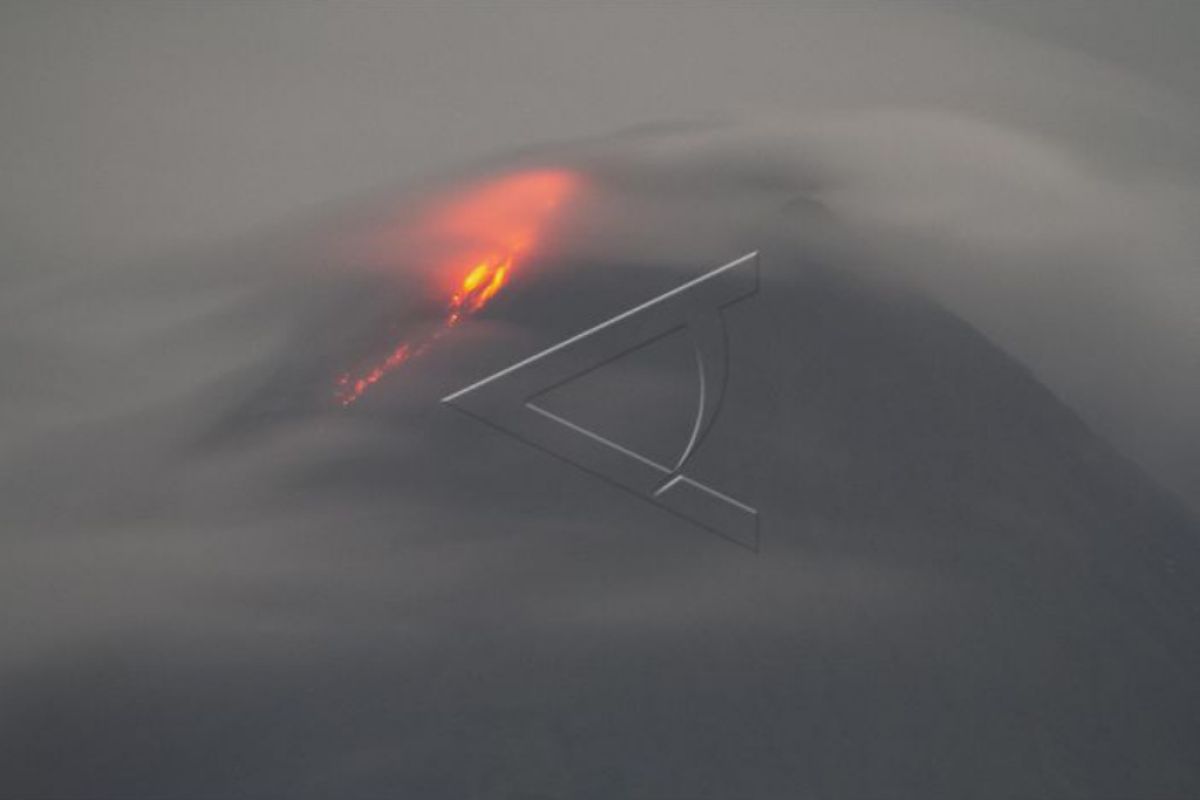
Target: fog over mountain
column 962, row 400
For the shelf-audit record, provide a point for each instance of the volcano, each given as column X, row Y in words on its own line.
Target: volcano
column 960, row 590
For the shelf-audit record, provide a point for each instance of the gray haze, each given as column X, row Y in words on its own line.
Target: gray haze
column 980, row 299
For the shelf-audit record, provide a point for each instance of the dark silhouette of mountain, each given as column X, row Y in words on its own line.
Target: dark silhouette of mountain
column 961, row 591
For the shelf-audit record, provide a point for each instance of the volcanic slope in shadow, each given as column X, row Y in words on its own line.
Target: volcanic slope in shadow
column 1056, row 647
column 961, row 592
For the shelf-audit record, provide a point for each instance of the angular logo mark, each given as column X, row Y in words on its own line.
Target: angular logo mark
column 504, row 400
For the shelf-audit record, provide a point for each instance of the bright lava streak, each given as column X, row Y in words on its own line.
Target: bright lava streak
column 490, row 228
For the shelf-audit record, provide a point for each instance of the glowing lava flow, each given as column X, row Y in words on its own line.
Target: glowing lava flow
column 486, row 231
column 480, row 285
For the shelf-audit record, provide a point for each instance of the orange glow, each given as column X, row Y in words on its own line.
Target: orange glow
column 480, row 235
